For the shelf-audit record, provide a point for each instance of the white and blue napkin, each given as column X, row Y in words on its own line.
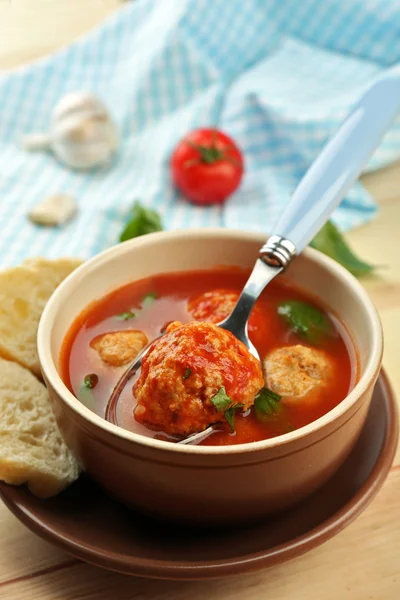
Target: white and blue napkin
column 277, row 75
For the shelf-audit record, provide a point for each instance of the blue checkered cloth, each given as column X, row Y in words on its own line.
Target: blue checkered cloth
column 277, row 75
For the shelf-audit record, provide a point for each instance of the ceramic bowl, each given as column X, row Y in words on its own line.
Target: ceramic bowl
column 205, row 484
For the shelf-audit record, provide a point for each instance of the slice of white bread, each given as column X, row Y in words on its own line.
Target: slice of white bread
column 32, row 450
column 24, row 291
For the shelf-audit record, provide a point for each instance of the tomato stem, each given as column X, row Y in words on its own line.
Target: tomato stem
column 208, row 154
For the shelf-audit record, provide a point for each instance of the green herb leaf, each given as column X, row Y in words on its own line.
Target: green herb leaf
column 149, row 299
column 331, row 242
column 125, row 316
column 85, row 395
column 142, row 221
column 187, row 373
column 230, row 415
column 91, row 381
column 267, row 404
column 306, row 320
column 221, row 400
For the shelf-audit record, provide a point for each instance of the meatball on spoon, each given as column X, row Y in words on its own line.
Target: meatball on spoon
column 315, row 198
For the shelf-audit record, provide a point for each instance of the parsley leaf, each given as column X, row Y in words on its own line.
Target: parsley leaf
column 142, row 221
column 306, row 320
column 149, row 299
column 125, row 316
column 331, row 242
column 267, row 404
column 221, row 400
column 187, row 373
column 230, row 415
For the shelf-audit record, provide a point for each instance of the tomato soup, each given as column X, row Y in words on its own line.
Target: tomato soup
column 308, row 359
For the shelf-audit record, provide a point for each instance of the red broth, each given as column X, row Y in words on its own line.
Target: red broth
column 173, row 292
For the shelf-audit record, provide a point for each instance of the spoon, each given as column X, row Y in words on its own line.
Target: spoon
column 315, row 198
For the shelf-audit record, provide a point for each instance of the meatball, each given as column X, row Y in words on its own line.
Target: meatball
column 119, row 347
column 297, row 371
column 216, row 305
column 213, row 306
column 185, row 369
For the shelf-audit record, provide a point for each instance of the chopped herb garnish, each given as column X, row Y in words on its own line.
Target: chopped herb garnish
column 331, row 242
column 91, row 381
column 149, row 299
column 221, row 400
column 230, row 415
column 306, row 320
column 125, row 316
column 187, row 373
column 142, row 221
column 267, row 404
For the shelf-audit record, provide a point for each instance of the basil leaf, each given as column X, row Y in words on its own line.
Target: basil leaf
column 125, row 316
column 221, row 400
column 149, row 299
column 331, row 242
column 85, row 395
column 230, row 415
column 267, row 404
column 142, row 221
column 187, row 373
column 306, row 320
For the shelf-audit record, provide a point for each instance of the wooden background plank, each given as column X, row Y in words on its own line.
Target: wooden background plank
column 21, row 551
column 30, row 29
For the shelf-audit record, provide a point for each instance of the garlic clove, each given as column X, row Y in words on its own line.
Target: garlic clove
column 78, row 103
column 83, row 143
column 82, row 133
column 56, row 209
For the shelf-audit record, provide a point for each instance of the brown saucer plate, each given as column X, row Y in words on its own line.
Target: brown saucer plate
column 87, row 523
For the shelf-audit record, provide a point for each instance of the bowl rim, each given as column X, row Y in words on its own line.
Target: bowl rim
column 53, row 378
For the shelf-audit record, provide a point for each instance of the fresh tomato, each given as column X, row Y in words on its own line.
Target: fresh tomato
column 207, row 166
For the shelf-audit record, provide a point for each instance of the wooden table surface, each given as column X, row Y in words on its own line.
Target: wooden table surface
column 362, row 562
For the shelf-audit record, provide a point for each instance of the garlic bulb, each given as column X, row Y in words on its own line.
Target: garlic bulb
column 82, row 134
column 54, row 210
